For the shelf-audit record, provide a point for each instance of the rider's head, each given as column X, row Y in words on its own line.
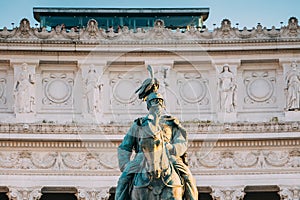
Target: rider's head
column 155, row 99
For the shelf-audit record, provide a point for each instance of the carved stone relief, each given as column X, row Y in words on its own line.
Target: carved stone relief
column 292, row 29
column 225, row 31
column 58, row 89
column 92, row 31
column 215, row 160
column 24, row 193
column 228, row 193
column 24, row 30
column 260, row 87
column 123, row 86
column 292, row 87
column 289, row 192
column 227, row 89
column 92, row 90
column 34, row 193
column 157, row 33
column 193, row 90
column 257, row 159
column 24, row 89
column 162, row 75
column 93, row 194
column 3, row 92
column 58, row 160
column 120, row 129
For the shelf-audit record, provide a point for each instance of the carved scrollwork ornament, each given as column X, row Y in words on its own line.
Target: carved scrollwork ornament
column 228, row 193
column 260, row 88
column 24, row 193
column 289, row 192
column 159, row 33
column 93, row 194
column 193, row 89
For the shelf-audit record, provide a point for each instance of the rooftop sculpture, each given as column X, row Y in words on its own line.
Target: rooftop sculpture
column 159, row 32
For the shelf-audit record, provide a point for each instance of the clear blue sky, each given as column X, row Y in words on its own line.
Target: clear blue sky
column 247, row 13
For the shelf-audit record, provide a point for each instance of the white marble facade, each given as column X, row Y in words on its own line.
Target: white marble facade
column 67, row 99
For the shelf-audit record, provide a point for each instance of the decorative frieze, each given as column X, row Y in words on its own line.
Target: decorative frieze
column 244, row 160
column 57, row 161
column 122, row 128
column 200, row 161
column 158, row 33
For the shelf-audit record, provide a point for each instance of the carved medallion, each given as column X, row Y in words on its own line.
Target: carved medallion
column 193, row 89
column 58, row 89
column 260, row 87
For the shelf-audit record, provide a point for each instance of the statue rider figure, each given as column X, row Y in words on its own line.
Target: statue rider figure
column 175, row 137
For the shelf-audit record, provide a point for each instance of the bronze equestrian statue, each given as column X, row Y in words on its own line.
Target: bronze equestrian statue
column 158, row 170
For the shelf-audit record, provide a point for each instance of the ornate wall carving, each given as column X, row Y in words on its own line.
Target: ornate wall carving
column 65, row 149
column 254, row 160
column 289, row 192
column 58, row 89
column 56, row 161
column 260, row 88
column 18, row 193
column 228, row 193
column 122, row 87
column 93, row 193
column 3, row 89
column 158, row 32
column 193, row 91
column 56, row 86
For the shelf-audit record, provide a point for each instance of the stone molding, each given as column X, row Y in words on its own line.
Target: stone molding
column 228, row 193
column 202, row 161
column 121, row 129
column 244, row 161
column 235, row 192
column 158, row 34
column 35, row 193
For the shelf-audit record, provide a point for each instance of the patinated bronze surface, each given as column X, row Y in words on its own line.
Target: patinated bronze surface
column 158, row 170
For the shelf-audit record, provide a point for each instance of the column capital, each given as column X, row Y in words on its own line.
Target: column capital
column 30, row 193
column 93, row 193
column 228, row 193
column 289, row 192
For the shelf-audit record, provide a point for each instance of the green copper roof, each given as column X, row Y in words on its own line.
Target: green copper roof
column 131, row 17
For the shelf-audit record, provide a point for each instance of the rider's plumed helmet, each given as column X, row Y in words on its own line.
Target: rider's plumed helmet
column 153, row 96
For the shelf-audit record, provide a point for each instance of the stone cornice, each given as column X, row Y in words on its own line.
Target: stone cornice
column 113, row 143
column 121, row 129
column 158, row 35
